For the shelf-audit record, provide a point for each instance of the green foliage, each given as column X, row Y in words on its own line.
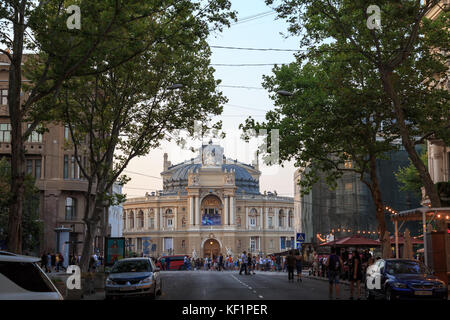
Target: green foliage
column 31, row 225
column 409, row 178
column 402, row 60
column 333, row 122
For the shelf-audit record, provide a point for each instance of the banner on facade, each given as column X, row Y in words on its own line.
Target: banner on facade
column 146, row 245
column 114, row 250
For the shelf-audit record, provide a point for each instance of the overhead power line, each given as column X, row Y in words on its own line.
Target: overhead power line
column 245, row 64
column 141, row 174
column 240, row 87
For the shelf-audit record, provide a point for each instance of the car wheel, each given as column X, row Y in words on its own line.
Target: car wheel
column 369, row 295
column 388, row 294
column 160, row 288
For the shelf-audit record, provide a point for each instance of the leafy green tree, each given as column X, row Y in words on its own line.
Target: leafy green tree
column 409, row 178
column 405, row 55
column 333, row 123
column 118, row 115
column 32, row 225
column 112, row 31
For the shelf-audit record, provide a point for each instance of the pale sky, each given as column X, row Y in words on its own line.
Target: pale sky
column 262, row 32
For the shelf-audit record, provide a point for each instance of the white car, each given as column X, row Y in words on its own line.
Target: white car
column 21, row 278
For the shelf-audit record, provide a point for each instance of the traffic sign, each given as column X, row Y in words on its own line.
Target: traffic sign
column 299, row 245
column 300, row 237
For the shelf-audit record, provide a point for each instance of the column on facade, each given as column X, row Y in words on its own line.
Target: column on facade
column 175, row 217
column 286, row 219
column 247, row 225
column 226, row 211
column 191, row 210
column 277, row 218
column 267, row 219
column 161, row 219
column 156, row 213
column 125, row 226
column 145, row 213
column 135, row 220
column 261, row 218
column 197, row 210
column 232, row 212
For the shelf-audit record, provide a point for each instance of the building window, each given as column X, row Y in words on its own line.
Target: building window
column 183, row 244
column 152, row 223
column 34, row 136
column 170, row 223
column 271, row 244
column 131, row 220
column 66, row 132
column 349, row 186
column 282, row 242
column 72, row 167
column 30, row 167
column 252, row 244
column 280, row 219
column 168, row 244
column 5, row 132
column 270, row 222
column 66, row 167
column 37, row 169
column 252, row 222
column 4, row 96
column 71, row 212
column 347, row 164
column 140, row 219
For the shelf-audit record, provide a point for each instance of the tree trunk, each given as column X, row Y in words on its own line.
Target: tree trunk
column 378, row 201
column 91, row 231
column 407, row 143
column 17, row 143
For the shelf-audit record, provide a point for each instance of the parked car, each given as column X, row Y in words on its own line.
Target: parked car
column 21, row 278
column 133, row 277
column 176, row 262
column 403, row 279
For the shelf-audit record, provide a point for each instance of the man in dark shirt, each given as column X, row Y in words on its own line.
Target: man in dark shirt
column 290, row 264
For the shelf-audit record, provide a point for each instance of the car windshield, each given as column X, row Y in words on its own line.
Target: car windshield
column 132, row 266
column 405, row 267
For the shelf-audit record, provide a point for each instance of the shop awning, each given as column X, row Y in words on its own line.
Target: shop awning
column 353, row 241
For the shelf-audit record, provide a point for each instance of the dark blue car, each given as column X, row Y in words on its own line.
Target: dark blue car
column 403, row 279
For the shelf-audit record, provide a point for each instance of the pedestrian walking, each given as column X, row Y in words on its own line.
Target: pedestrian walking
column 290, row 265
column 44, row 262
column 49, row 262
column 243, row 262
column 298, row 265
column 334, row 265
column 355, row 274
column 53, row 261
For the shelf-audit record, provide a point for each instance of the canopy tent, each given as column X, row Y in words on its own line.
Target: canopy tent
column 401, row 240
column 353, row 241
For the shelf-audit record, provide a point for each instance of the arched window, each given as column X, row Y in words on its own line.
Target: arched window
column 280, row 218
column 71, row 208
column 140, row 219
column 252, row 217
column 131, row 220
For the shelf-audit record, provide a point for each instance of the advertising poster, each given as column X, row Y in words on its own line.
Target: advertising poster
column 115, row 250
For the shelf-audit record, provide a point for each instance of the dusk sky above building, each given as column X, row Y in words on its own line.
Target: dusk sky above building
column 262, row 31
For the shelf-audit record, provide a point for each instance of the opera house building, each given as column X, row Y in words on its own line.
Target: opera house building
column 209, row 205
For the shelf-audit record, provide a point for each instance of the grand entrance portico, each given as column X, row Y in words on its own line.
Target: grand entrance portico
column 211, row 248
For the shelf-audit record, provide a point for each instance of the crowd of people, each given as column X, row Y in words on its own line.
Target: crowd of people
column 54, row 262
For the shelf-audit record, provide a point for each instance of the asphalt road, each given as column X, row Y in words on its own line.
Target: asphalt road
column 229, row 285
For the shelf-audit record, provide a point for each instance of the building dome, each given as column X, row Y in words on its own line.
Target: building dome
column 176, row 177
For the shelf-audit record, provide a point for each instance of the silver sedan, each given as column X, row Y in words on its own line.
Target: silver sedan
column 133, row 277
